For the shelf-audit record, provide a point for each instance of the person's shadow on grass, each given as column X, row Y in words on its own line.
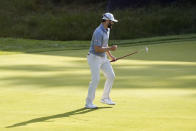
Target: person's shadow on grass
column 66, row 114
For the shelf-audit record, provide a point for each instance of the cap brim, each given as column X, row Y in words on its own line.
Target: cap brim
column 115, row 20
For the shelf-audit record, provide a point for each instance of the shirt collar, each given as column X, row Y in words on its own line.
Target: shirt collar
column 103, row 29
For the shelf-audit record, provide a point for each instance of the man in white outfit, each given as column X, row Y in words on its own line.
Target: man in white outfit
column 97, row 60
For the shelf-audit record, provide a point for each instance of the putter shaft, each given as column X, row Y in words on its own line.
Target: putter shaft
column 124, row 56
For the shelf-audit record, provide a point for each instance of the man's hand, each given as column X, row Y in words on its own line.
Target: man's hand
column 113, row 47
column 113, row 58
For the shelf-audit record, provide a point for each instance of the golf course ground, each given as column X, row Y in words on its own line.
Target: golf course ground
column 46, row 90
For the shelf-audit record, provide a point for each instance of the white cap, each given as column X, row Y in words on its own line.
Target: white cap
column 109, row 16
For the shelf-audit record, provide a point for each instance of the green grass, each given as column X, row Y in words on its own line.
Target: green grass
column 45, row 91
column 13, row 45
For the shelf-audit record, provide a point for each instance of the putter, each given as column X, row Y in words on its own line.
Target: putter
column 146, row 49
column 124, row 56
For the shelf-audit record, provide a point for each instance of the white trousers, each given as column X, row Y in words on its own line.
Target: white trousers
column 96, row 64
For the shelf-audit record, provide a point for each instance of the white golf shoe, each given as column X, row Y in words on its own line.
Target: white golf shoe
column 108, row 101
column 90, row 106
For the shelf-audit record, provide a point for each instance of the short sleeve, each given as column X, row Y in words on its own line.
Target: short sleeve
column 98, row 39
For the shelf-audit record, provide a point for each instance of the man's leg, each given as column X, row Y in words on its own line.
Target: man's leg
column 110, row 76
column 95, row 76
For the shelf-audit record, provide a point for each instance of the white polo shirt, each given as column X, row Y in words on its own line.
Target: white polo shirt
column 100, row 38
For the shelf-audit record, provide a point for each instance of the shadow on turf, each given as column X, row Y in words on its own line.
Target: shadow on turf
column 67, row 114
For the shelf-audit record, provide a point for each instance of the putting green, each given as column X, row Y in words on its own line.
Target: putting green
column 46, row 91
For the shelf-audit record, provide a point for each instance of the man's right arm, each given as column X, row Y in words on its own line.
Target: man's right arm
column 100, row 49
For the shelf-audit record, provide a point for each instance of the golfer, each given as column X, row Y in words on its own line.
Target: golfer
column 97, row 60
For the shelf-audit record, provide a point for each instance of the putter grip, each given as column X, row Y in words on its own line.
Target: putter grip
column 113, row 60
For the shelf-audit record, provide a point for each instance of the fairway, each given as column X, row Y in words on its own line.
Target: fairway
column 154, row 91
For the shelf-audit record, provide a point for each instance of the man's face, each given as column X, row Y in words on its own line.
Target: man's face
column 110, row 23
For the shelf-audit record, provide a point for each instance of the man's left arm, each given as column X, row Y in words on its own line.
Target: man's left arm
column 110, row 55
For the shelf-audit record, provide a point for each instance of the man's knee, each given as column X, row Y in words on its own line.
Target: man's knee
column 111, row 76
column 95, row 79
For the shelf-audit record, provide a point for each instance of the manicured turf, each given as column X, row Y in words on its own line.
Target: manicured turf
column 154, row 92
